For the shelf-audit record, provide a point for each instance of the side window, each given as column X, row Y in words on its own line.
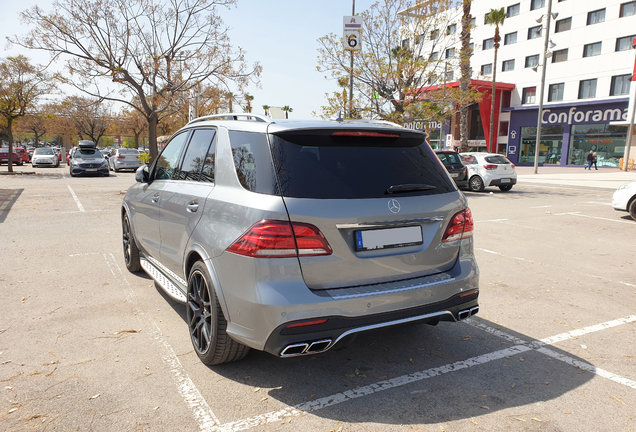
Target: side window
column 195, row 156
column 207, row 175
column 253, row 162
column 169, row 157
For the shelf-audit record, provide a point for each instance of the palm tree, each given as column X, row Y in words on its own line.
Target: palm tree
column 248, row 98
column 495, row 17
column 287, row 110
column 266, row 109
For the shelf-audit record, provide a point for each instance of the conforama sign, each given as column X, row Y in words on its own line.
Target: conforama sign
column 573, row 115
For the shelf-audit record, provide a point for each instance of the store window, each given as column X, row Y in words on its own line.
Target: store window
column 532, row 60
column 529, row 95
column 560, row 56
column 563, row 25
column 595, row 17
column 549, row 149
column 628, row 9
column 555, row 92
column 606, row 140
column 620, row 85
column 476, row 130
column 587, row 89
column 508, row 65
column 624, row 43
column 510, row 38
column 513, row 10
column 503, row 128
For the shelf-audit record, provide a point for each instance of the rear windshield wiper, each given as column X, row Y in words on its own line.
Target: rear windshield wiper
column 409, row 188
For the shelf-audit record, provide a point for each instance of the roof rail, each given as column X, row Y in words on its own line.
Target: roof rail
column 233, row 116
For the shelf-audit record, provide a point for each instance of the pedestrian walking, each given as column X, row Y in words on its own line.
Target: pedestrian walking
column 590, row 156
column 593, row 162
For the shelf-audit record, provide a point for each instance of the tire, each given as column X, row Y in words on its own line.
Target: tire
column 505, row 188
column 476, row 184
column 206, row 323
column 632, row 209
column 32, row 166
column 131, row 252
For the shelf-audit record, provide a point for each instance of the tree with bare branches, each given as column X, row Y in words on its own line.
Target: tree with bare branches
column 22, row 84
column 143, row 53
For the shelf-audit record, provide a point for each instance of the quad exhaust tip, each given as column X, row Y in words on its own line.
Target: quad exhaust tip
column 467, row 313
column 306, row 348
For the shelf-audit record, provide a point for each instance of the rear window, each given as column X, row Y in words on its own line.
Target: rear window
column 128, row 151
column 500, row 160
column 449, row 158
column 317, row 164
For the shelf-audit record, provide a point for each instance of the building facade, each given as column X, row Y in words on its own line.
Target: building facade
column 589, row 66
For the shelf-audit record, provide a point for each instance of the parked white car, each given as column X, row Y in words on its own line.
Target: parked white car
column 124, row 158
column 489, row 169
column 624, row 199
column 44, row 156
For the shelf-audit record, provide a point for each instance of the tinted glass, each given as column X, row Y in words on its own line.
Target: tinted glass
column 195, row 155
column 169, row 157
column 319, row 165
column 449, row 158
column 128, row 151
column 87, row 154
column 253, row 162
column 497, row 160
column 207, row 174
column 624, row 43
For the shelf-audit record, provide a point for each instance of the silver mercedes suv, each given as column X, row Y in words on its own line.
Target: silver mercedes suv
column 288, row 236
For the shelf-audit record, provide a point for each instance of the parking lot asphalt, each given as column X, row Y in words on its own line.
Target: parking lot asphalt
column 85, row 345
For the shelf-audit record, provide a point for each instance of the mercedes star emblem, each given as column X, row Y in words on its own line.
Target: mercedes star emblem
column 394, row 206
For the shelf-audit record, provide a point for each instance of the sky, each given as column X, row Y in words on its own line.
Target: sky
column 280, row 34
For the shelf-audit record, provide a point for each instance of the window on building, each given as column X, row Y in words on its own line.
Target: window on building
column 534, row 32
column 563, row 25
column 529, row 95
column 450, row 76
column 507, row 65
column 419, row 39
column 503, row 128
column 405, row 43
column 532, row 60
column 513, row 10
column 624, row 43
column 587, row 89
column 451, row 29
column 510, row 38
column 505, row 99
column 595, row 17
column 591, row 50
column 628, row 9
column 488, row 44
column 434, row 56
column 559, row 56
column 620, row 85
column 434, row 34
column 537, row 4
column 486, row 69
column 450, row 53
column 473, row 22
column 555, row 92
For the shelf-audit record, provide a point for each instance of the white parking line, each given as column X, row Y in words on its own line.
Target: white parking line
column 488, row 251
column 601, row 218
column 189, row 392
column 492, row 220
column 77, row 201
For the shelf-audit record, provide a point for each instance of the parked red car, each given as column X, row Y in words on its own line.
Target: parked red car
column 22, row 152
column 4, row 157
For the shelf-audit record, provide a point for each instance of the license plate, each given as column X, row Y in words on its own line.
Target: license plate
column 454, row 175
column 388, row 238
column 505, row 181
column 91, row 169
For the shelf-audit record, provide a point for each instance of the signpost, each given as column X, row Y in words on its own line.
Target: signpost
column 352, row 40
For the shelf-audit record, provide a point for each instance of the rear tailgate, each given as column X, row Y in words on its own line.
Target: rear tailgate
column 381, row 199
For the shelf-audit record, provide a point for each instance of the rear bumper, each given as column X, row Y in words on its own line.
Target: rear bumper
column 126, row 166
column 502, row 181
column 261, row 304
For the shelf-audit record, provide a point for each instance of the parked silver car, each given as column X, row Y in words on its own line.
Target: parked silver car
column 288, row 236
column 124, row 158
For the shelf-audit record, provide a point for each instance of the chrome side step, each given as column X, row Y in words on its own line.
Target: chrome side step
column 171, row 289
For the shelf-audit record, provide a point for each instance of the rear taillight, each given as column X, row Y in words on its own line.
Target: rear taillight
column 121, row 157
column 513, row 166
column 279, row 239
column 490, row 167
column 460, row 227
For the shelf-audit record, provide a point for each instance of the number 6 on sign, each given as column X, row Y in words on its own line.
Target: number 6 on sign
column 352, row 30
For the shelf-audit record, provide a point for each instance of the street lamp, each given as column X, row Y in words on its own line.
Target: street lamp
column 546, row 55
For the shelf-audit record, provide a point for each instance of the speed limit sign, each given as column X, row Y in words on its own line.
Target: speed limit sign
column 352, row 28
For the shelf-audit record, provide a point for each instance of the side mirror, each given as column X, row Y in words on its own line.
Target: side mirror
column 141, row 175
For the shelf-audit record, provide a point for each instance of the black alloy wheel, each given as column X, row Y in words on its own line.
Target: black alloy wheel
column 206, row 322
column 131, row 252
column 632, row 209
